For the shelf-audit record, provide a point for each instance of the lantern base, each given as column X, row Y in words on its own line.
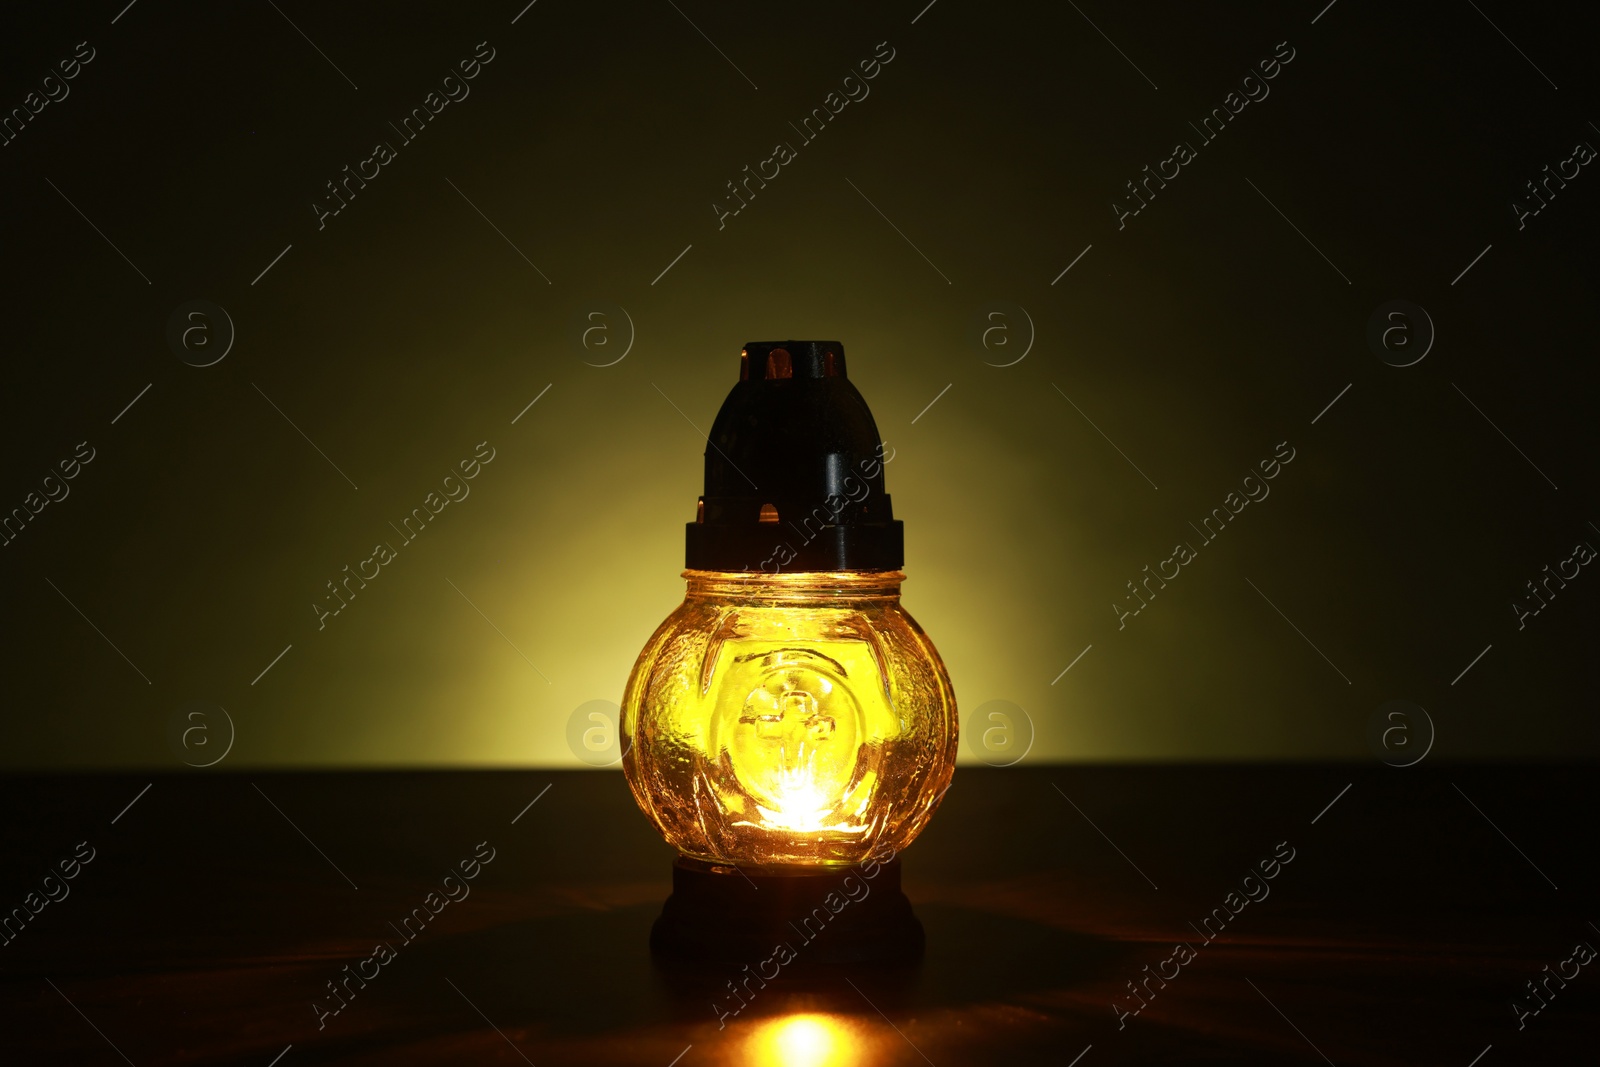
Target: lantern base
column 831, row 915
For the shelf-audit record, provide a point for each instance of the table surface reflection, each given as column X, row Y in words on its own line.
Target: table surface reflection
column 218, row 910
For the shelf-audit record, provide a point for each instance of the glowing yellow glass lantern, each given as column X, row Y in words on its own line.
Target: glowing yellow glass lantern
column 790, row 716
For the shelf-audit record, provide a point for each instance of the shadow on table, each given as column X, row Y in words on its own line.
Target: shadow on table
column 581, row 974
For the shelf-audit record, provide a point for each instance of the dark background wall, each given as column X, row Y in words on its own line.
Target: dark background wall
column 1177, row 352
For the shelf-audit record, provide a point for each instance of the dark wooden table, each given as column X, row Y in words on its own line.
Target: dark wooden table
column 215, row 909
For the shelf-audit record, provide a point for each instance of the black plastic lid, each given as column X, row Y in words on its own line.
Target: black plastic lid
column 794, row 471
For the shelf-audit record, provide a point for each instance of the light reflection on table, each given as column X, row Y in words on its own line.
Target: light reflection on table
column 806, row 1040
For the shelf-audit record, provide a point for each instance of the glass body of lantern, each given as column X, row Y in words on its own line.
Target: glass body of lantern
column 789, row 719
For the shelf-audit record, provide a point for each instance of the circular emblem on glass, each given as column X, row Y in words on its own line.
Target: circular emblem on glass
column 793, row 736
